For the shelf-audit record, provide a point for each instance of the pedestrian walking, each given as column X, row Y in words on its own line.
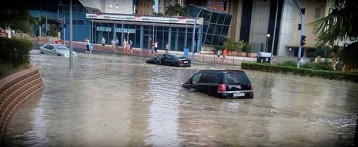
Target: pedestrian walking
column 88, row 45
column 130, row 47
column 152, row 46
column 224, row 55
column 117, row 42
column 167, row 48
column 113, row 42
column 156, row 47
column 103, row 41
column 125, row 45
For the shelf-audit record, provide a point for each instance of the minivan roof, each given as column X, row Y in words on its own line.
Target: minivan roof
column 223, row 71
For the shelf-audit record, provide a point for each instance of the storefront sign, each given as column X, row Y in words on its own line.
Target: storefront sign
column 108, row 29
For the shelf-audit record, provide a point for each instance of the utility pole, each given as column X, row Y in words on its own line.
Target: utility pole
column 301, row 33
column 71, row 37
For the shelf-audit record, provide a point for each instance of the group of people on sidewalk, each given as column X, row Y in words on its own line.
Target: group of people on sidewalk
column 127, row 46
column 222, row 53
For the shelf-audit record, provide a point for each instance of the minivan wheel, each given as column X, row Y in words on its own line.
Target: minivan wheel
column 58, row 54
column 252, row 96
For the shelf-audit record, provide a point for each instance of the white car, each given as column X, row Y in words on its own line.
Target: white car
column 56, row 49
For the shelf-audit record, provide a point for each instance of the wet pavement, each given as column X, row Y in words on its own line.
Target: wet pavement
column 118, row 100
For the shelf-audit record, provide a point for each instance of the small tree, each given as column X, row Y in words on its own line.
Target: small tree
column 240, row 45
column 218, row 47
column 321, row 50
column 229, row 45
column 175, row 10
column 246, row 48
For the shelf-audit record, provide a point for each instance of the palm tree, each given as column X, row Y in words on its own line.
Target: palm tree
column 15, row 16
column 339, row 25
column 175, row 10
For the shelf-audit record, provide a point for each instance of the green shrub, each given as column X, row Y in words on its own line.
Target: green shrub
column 7, row 69
column 218, row 47
column 289, row 63
column 300, row 71
column 15, row 51
column 318, row 66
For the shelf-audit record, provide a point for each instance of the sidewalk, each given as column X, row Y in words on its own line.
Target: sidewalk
column 198, row 57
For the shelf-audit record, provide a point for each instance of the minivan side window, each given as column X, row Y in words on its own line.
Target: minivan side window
column 196, row 78
column 239, row 77
column 210, row 78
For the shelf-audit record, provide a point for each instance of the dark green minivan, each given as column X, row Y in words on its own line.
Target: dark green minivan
column 221, row 83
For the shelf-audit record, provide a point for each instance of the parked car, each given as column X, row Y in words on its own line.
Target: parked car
column 171, row 60
column 221, row 83
column 56, row 49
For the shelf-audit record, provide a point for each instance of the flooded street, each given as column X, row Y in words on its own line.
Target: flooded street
column 116, row 100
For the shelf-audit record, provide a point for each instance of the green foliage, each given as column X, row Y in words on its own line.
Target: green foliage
column 229, row 45
column 300, row 71
column 240, row 45
column 321, row 50
column 218, row 47
column 246, row 48
column 175, row 10
column 158, row 14
column 318, row 66
column 307, row 65
column 289, row 63
column 15, row 51
column 14, row 15
column 340, row 24
column 7, row 69
column 348, row 55
column 53, row 30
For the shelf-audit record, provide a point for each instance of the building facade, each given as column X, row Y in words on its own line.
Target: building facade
column 251, row 21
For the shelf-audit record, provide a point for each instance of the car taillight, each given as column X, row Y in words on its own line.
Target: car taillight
column 251, row 87
column 221, row 88
column 180, row 62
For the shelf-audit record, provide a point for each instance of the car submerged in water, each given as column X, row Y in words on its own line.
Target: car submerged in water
column 221, row 83
column 170, row 60
column 56, row 49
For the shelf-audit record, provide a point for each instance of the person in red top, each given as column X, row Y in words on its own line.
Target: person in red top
column 224, row 54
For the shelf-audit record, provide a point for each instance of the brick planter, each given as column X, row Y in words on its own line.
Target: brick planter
column 14, row 89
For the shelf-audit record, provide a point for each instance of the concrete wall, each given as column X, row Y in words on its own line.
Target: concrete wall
column 14, row 89
column 110, row 6
column 259, row 21
column 288, row 25
column 144, row 7
column 124, row 6
column 235, row 9
column 289, row 33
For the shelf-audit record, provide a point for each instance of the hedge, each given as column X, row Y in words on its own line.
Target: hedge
column 300, row 71
column 15, row 52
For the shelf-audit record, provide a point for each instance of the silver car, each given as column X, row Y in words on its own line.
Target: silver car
column 56, row 49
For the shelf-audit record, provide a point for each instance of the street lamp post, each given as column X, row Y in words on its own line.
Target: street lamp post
column 193, row 34
column 301, row 33
column 267, row 39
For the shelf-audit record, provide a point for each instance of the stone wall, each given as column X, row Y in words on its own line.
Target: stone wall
column 14, row 89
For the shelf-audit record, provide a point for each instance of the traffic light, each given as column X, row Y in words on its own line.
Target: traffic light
column 224, row 5
column 303, row 40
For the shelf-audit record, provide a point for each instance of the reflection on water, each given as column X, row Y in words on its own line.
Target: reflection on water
column 114, row 100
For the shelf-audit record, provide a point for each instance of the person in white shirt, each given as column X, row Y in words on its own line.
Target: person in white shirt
column 103, row 41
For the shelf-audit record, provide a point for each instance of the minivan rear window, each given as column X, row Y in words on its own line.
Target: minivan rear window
column 237, row 77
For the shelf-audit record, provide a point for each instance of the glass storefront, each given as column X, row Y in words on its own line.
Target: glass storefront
column 177, row 36
column 216, row 25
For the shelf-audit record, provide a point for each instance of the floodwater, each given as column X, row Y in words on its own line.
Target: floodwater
column 115, row 100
